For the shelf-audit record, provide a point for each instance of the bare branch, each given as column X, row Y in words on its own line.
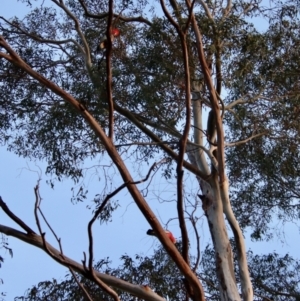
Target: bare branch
column 37, row 241
column 102, row 284
column 37, row 207
column 78, row 29
column 85, row 292
column 169, row 17
column 124, row 19
column 193, row 221
column 15, row 218
column 279, row 293
column 206, row 9
column 245, row 140
column 189, row 20
column 183, row 140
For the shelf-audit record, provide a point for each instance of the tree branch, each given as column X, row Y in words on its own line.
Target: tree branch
column 246, row 285
column 183, row 140
column 213, row 98
column 230, row 144
column 206, row 9
column 38, row 208
column 192, row 168
column 37, row 241
column 78, row 30
column 124, row 19
column 15, row 218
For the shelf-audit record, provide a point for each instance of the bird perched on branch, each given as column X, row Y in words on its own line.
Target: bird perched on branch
column 115, row 32
column 169, row 234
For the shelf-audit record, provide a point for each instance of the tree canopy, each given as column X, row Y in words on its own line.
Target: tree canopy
column 189, row 89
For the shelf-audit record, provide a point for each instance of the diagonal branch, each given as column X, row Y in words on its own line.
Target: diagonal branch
column 278, row 293
column 15, row 218
column 192, row 168
column 206, row 9
column 245, row 140
column 37, row 241
column 78, row 30
column 104, row 15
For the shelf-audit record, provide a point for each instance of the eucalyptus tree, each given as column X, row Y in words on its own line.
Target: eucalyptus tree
column 149, row 89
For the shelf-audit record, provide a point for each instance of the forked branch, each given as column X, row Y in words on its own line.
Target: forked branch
column 37, row 241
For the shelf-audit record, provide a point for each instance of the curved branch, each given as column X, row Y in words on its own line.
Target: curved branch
column 246, row 285
column 77, row 28
column 275, row 292
column 15, row 218
column 37, row 241
column 245, row 140
column 124, row 19
column 169, row 17
column 102, row 284
column 183, row 140
column 206, row 9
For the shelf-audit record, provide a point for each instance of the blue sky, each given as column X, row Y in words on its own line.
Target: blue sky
column 127, row 234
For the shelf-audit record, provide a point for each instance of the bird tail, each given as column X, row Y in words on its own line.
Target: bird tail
column 151, row 232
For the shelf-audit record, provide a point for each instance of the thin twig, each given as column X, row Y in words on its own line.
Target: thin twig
column 60, row 246
column 85, row 292
column 78, row 30
column 126, row 113
column 90, row 234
